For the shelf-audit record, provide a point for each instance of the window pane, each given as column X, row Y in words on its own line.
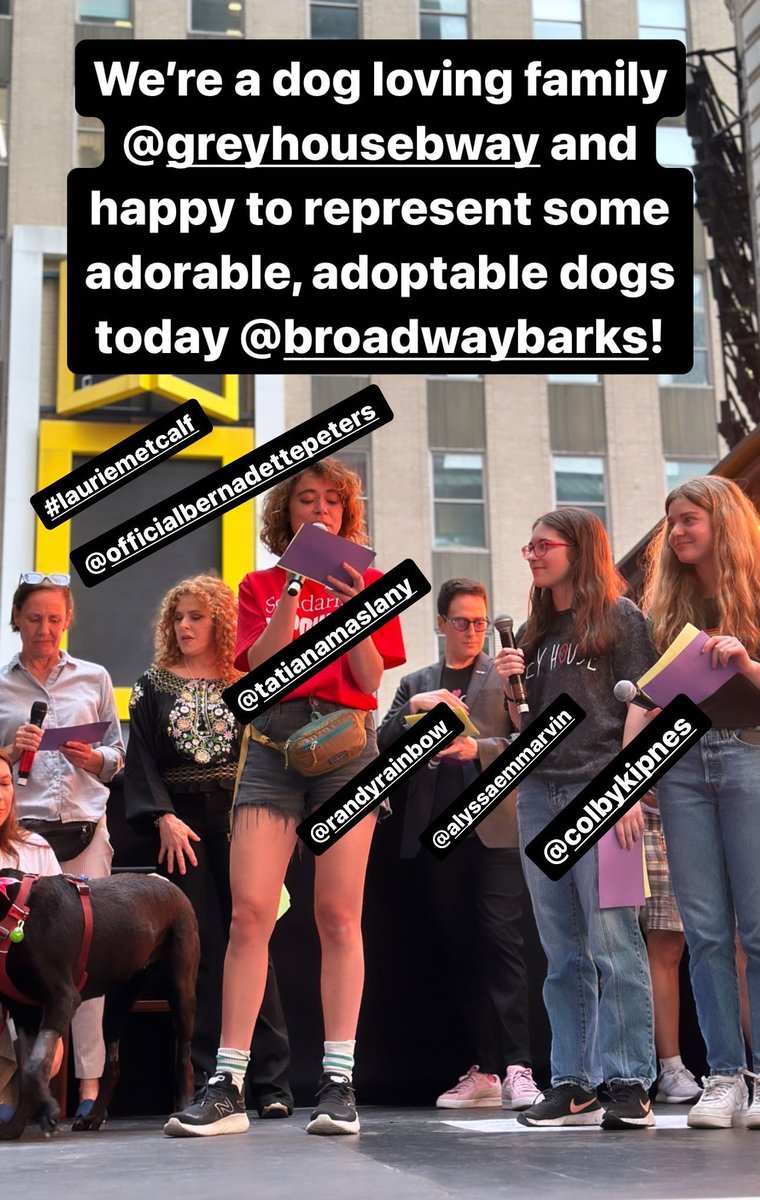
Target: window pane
column 89, row 148
column 458, row 476
column 329, row 23
column 700, row 329
column 433, row 28
column 699, row 301
column 573, row 378
column 459, row 525
column 649, row 32
column 674, row 148
column 557, row 10
column 697, row 375
column 662, row 12
column 215, row 16
column 678, row 471
column 561, row 30
column 444, row 6
column 579, row 480
column 105, row 10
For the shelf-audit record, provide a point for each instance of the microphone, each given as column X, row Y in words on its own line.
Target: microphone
column 629, row 693
column 504, row 627
column 296, row 582
column 37, row 716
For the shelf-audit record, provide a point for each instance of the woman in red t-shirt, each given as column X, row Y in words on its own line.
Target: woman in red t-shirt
column 272, row 799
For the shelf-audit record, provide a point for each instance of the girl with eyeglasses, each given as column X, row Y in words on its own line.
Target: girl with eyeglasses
column 582, row 636
column 704, row 568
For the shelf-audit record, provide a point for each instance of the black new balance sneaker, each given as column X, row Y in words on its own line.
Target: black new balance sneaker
column 566, row 1104
column 336, row 1107
column 217, row 1108
column 628, row 1107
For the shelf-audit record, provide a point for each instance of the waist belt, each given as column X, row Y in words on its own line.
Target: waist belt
column 15, row 919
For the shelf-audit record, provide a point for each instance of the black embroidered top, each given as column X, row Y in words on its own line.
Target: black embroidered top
column 181, row 735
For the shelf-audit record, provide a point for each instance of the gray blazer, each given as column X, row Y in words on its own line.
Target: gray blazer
column 485, row 697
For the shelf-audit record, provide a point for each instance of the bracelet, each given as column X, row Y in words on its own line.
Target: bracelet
column 157, row 820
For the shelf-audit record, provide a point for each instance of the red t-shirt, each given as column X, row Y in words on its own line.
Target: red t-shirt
column 257, row 599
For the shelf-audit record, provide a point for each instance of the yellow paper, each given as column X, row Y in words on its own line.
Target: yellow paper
column 687, row 634
column 284, row 902
column 469, row 730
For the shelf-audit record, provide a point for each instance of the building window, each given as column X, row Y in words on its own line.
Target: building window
column 90, row 144
column 334, row 19
column 580, row 481
column 557, row 19
column 217, row 16
column 679, row 470
column 699, row 373
column 359, row 461
column 579, row 378
column 443, row 19
column 663, row 19
column 459, row 514
column 106, row 12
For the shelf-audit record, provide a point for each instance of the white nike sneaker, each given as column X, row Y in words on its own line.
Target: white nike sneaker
column 722, row 1103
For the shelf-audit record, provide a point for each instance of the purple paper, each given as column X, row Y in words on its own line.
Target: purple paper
column 621, row 873
column 53, row 739
column 690, row 672
column 315, row 553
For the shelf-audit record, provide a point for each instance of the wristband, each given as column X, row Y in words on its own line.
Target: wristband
column 157, row 820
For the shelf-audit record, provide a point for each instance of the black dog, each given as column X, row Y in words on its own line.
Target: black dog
column 137, row 920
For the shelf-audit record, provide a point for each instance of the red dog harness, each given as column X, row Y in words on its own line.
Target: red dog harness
column 15, row 918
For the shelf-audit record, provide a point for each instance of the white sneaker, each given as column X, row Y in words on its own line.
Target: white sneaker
column 722, row 1103
column 676, row 1085
column 753, row 1112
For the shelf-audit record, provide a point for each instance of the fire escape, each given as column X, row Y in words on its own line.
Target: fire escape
column 723, row 205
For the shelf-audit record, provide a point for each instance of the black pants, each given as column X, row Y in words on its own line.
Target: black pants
column 473, row 900
column 207, row 887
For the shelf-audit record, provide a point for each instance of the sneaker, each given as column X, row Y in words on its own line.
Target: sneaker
column 217, row 1108
column 519, row 1089
column 677, row 1085
column 629, row 1107
column 724, row 1098
column 474, row 1090
column 336, row 1107
column 753, row 1113
column 566, row 1104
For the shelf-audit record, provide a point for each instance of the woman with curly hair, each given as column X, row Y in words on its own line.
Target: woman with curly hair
column 180, row 772
column 704, row 568
column 273, row 797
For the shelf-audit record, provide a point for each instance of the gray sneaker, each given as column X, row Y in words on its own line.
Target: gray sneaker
column 677, row 1085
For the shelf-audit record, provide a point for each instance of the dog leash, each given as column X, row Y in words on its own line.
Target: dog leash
column 13, row 925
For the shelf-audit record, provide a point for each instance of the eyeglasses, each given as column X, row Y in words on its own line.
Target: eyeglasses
column 38, row 577
column 461, row 624
column 538, row 549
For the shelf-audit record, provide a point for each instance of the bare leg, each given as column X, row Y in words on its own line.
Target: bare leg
column 259, row 854
column 665, row 949
column 338, row 899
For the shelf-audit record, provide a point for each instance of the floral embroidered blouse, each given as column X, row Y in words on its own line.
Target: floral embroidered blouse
column 182, row 738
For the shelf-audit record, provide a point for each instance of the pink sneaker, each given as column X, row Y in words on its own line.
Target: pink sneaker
column 519, row 1089
column 474, row 1090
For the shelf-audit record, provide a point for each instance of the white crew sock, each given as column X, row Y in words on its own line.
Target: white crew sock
column 671, row 1064
column 339, row 1058
column 234, row 1061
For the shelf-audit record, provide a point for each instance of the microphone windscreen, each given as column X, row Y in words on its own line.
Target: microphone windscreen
column 625, row 691
column 503, row 624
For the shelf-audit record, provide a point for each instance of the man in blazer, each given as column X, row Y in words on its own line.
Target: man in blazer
column 474, row 895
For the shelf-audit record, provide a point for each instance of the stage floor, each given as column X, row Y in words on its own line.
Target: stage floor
column 401, row 1154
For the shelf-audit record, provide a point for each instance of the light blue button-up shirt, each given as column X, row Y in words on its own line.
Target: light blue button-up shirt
column 76, row 693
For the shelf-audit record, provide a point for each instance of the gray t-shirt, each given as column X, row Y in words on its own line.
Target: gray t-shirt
column 557, row 667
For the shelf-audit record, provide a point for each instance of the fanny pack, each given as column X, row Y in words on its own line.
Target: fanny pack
column 323, row 744
column 66, row 839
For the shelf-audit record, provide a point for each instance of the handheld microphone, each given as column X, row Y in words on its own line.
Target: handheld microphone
column 37, row 716
column 296, row 582
column 629, row 693
column 504, row 627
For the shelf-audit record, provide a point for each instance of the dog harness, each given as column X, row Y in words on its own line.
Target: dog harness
column 15, row 918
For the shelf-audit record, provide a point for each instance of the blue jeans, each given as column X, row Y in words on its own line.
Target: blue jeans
column 710, row 807
column 597, row 1036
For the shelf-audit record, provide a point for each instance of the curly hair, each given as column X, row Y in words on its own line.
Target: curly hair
column 597, row 584
column 276, row 532
column 10, row 830
column 222, row 604
column 672, row 595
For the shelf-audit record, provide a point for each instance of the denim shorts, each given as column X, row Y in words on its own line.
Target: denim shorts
column 267, row 783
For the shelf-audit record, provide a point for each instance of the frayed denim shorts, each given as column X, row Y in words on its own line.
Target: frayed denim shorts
column 267, row 783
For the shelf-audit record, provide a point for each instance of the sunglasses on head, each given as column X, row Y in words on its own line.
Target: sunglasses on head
column 39, row 577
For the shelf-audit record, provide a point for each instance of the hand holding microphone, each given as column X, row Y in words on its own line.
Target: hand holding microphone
column 31, row 733
column 510, row 662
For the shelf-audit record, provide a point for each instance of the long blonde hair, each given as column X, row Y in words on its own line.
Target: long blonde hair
column 222, row 605
column 597, row 584
column 672, row 595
